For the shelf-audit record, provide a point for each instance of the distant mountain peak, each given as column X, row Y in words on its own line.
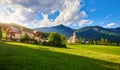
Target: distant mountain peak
column 62, row 29
column 60, row 25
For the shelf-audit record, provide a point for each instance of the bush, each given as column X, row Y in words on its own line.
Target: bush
column 26, row 39
column 57, row 40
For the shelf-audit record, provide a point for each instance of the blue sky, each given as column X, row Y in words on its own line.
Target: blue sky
column 103, row 12
column 72, row 13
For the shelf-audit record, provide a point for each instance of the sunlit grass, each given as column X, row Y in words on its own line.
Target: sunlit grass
column 19, row 56
column 3, row 34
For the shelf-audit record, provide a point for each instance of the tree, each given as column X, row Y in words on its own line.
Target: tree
column 25, row 38
column 106, row 42
column 90, row 41
column 80, row 40
column 102, row 41
column 56, row 39
column 94, row 42
column 63, row 39
column 98, row 42
column 0, row 32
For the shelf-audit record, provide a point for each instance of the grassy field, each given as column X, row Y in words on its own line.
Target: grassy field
column 21, row 56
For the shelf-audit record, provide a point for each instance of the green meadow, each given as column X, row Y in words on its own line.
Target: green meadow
column 21, row 56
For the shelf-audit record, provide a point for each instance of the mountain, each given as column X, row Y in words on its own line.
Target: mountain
column 117, row 30
column 60, row 29
column 94, row 32
column 97, row 32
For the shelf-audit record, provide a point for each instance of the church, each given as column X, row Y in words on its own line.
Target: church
column 72, row 39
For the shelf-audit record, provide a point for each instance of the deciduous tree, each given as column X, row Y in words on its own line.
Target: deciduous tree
column 0, row 32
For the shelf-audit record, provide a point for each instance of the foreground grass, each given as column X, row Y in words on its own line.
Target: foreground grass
column 20, row 56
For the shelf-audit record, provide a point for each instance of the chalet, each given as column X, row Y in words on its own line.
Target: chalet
column 13, row 33
column 37, row 36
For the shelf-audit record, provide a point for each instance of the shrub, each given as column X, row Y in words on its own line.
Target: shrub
column 57, row 40
column 25, row 38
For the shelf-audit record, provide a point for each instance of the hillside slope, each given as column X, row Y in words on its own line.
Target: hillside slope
column 60, row 29
column 97, row 32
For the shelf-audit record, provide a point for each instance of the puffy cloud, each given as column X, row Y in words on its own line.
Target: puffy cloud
column 25, row 12
column 82, row 22
column 69, row 15
column 46, row 6
column 110, row 25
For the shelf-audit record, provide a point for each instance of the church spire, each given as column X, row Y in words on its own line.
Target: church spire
column 74, row 37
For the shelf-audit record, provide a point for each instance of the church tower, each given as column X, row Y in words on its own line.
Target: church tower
column 74, row 37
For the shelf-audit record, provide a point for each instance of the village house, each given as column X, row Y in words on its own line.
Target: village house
column 84, row 41
column 13, row 33
column 37, row 36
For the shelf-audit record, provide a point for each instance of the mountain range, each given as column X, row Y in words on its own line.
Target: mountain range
column 94, row 32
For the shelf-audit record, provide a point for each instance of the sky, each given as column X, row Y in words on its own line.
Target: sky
column 71, row 13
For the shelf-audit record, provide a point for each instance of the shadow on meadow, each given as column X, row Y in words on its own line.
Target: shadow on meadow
column 14, row 57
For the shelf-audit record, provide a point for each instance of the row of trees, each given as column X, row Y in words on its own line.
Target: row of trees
column 102, row 41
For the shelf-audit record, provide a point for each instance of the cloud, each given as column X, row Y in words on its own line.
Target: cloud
column 93, row 10
column 25, row 12
column 110, row 25
column 82, row 22
column 102, row 23
column 108, row 16
column 92, row 2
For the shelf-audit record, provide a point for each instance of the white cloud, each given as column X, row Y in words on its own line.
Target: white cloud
column 93, row 10
column 102, row 23
column 92, row 2
column 108, row 16
column 110, row 25
column 82, row 22
column 69, row 15
column 25, row 12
